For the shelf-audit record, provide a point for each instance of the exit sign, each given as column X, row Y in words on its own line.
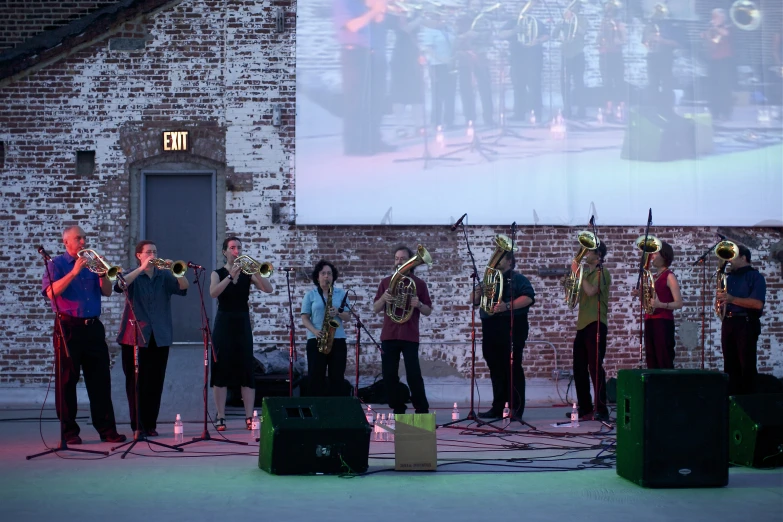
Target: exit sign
column 175, row 141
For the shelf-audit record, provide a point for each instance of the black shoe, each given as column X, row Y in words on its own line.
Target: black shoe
column 73, row 440
column 518, row 413
column 601, row 417
column 114, row 437
column 152, row 433
column 422, row 411
column 399, row 412
column 491, row 414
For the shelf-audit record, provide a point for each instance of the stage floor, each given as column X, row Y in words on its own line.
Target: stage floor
column 553, row 473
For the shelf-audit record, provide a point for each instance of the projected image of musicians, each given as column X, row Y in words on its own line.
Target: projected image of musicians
column 361, row 32
column 438, row 48
column 720, row 64
column 660, row 39
column 474, row 39
column 611, row 39
column 571, row 32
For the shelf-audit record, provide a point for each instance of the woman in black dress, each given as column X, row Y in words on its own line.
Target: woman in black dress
column 232, row 335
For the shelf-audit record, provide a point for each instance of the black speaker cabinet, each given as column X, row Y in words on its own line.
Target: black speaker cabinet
column 304, row 435
column 652, row 136
column 672, row 428
column 756, row 430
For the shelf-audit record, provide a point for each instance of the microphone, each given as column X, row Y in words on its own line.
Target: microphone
column 721, row 236
column 592, row 220
column 459, row 222
column 287, row 269
column 649, row 217
column 513, row 225
column 43, row 252
column 194, row 265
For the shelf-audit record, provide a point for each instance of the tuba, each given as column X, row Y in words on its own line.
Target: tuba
column 98, row 265
column 745, row 15
column 726, row 251
column 573, row 281
column 403, row 288
column 493, row 278
column 250, row 266
column 178, row 268
column 652, row 245
column 527, row 26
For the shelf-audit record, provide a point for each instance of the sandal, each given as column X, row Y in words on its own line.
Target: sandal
column 249, row 422
column 220, row 425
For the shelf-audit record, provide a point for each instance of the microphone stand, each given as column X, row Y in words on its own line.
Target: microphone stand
column 702, row 260
column 359, row 327
column 472, row 413
column 291, row 337
column 598, row 329
column 642, row 263
column 138, row 434
column 60, row 344
column 206, row 337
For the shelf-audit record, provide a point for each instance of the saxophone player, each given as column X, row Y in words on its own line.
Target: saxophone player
column 744, row 296
column 402, row 338
column 320, row 306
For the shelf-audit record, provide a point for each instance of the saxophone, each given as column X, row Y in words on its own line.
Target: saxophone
column 727, row 251
column 329, row 326
column 648, row 245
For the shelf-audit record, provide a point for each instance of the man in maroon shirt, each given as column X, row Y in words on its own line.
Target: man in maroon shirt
column 720, row 64
column 403, row 338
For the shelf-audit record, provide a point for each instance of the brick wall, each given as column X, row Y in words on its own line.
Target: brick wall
column 23, row 19
column 216, row 70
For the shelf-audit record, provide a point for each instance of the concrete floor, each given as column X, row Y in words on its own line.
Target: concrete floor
column 562, row 473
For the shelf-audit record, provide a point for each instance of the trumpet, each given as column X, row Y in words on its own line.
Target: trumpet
column 98, row 265
column 727, row 251
column 178, row 268
column 250, row 266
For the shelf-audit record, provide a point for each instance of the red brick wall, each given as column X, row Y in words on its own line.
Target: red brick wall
column 23, row 19
column 216, row 70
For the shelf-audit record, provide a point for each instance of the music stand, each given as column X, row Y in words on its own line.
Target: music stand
column 60, row 344
column 138, row 434
column 206, row 338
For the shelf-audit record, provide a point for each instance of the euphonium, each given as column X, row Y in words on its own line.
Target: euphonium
column 250, row 266
column 403, row 288
column 480, row 23
column 527, row 26
column 652, row 245
column 178, row 268
column 745, row 15
column 570, row 27
column 493, row 278
column 573, row 281
column 98, row 265
column 329, row 326
column 726, row 251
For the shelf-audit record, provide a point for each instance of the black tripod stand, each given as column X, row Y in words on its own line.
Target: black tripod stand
column 291, row 335
column 359, row 327
column 60, row 345
column 139, row 435
column 505, row 131
column 206, row 337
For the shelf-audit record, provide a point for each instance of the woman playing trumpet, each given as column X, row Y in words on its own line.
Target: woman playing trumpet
column 232, row 335
column 317, row 311
column 149, row 292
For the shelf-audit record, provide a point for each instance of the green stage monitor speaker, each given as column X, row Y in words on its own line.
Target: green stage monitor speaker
column 756, row 430
column 672, row 428
column 304, row 435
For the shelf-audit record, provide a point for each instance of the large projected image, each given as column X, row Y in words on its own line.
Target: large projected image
column 539, row 112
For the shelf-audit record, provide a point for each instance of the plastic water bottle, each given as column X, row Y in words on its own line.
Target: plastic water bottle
column 574, row 417
column 384, row 434
column 255, row 426
column 370, row 416
column 506, row 415
column 455, row 413
column 532, row 117
column 600, row 116
column 179, row 433
column 390, row 422
column 471, row 132
column 439, row 139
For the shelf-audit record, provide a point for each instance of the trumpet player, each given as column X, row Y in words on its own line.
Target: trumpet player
column 402, row 338
column 232, row 335
column 496, row 333
column 594, row 290
column 744, row 297
column 659, row 340
column 720, row 65
column 320, row 306
column 572, row 30
column 76, row 294
column 149, row 292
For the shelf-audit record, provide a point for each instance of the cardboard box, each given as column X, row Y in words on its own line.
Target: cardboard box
column 415, row 443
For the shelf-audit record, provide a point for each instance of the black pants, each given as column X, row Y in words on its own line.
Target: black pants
column 478, row 67
column 738, row 339
column 90, row 354
column 526, row 80
column 390, row 363
column 364, row 99
column 495, row 348
column 584, row 359
column 612, row 77
column 659, row 343
column 153, row 360
column 444, row 89
column 318, row 364
column 660, row 79
column 573, row 87
column 720, row 74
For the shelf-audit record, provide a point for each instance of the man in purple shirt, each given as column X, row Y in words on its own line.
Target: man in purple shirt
column 77, row 293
